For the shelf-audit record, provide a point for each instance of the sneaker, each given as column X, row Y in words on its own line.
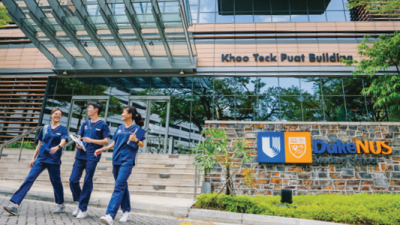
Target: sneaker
column 60, row 208
column 11, row 208
column 76, row 211
column 107, row 219
column 81, row 215
column 125, row 217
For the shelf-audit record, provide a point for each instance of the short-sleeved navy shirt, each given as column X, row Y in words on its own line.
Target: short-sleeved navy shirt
column 51, row 138
column 98, row 130
column 124, row 152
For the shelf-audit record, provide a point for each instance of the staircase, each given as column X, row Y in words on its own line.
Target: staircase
column 21, row 99
column 154, row 174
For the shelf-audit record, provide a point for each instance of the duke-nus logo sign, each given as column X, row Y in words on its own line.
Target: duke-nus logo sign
column 284, row 147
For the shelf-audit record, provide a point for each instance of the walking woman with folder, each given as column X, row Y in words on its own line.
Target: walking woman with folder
column 127, row 139
column 47, row 156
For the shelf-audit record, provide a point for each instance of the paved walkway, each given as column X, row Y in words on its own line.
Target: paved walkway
column 33, row 212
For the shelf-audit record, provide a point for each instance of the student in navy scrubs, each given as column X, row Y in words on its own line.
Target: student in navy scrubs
column 123, row 161
column 94, row 134
column 48, row 151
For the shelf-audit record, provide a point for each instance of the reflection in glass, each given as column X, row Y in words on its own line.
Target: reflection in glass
column 310, row 85
column 206, row 17
column 291, row 108
column 246, row 108
column 312, row 110
column 335, row 16
column 335, row 5
column 225, row 19
column 331, row 86
column 268, row 108
column 207, row 6
column 262, row 19
column 244, row 18
column 268, row 86
column 377, row 114
column 225, row 108
column 289, row 86
column 280, row 18
column 352, row 86
column 356, row 110
column 317, row 17
column 334, row 108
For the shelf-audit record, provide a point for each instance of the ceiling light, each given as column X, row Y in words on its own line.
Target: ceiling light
column 65, row 72
column 181, row 73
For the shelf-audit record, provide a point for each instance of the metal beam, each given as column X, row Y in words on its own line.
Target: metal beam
column 106, row 14
column 60, row 16
column 16, row 14
column 131, row 14
column 183, row 15
column 81, row 13
column 37, row 15
column 155, row 10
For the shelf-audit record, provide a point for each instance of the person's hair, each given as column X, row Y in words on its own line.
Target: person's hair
column 55, row 110
column 96, row 105
column 135, row 115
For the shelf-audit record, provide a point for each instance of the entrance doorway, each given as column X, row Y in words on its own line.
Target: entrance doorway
column 157, row 133
column 78, row 112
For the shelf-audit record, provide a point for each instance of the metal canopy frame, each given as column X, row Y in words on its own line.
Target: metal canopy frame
column 82, row 15
column 16, row 15
column 155, row 10
column 59, row 16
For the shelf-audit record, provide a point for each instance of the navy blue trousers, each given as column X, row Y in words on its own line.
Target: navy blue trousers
column 36, row 170
column 120, row 196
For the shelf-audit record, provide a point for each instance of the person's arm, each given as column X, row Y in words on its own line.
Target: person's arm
column 97, row 142
column 134, row 139
column 100, row 150
column 35, row 154
column 58, row 147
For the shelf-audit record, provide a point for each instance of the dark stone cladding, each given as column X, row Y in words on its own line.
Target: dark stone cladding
column 306, row 179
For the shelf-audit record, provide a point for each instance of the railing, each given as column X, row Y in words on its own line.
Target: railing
column 23, row 135
column 197, row 174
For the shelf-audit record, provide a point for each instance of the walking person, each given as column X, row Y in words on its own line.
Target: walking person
column 46, row 156
column 94, row 134
column 125, row 146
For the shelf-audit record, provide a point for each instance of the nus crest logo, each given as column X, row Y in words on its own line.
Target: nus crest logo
column 284, row 147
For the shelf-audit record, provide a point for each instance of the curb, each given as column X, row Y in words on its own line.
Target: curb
column 140, row 207
column 243, row 218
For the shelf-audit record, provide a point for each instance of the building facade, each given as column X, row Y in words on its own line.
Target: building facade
column 184, row 62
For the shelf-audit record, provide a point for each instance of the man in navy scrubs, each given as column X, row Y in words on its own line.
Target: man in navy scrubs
column 94, row 134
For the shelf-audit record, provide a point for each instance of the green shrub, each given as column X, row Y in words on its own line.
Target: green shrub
column 25, row 145
column 354, row 209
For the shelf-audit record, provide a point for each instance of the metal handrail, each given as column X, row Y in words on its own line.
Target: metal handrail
column 23, row 135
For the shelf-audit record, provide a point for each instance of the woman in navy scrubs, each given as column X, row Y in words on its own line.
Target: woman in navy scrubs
column 123, row 162
column 48, row 151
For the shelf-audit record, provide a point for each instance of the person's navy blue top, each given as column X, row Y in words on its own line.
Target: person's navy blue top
column 124, row 152
column 51, row 138
column 98, row 131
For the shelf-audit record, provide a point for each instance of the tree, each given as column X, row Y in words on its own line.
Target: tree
column 380, row 57
column 383, row 7
column 4, row 19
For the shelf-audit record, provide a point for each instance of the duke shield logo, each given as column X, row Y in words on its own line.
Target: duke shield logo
column 284, row 147
column 297, row 146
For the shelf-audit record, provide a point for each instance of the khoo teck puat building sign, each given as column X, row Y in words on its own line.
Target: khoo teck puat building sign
column 271, row 57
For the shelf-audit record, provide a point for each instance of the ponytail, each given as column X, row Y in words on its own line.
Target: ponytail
column 135, row 115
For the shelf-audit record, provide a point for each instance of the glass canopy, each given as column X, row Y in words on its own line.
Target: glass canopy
column 108, row 34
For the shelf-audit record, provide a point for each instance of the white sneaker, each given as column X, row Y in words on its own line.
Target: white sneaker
column 125, row 217
column 107, row 219
column 76, row 211
column 81, row 215
column 60, row 208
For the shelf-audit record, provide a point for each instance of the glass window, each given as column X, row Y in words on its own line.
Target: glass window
column 207, row 5
column 206, row 17
column 352, row 86
column 247, row 85
column 310, row 86
column 225, row 108
column 317, row 17
column 289, row 86
column 376, row 114
column 331, row 86
column 335, row 5
column 268, row 108
column 262, row 7
column 335, row 16
column 280, row 7
column 299, row 18
column 262, row 19
column 356, row 110
column 316, row 5
column 268, row 86
column 244, row 7
column 334, row 108
column 280, row 18
column 53, row 85
column 312, row 108
column 246, row 107
column 244, row 18
column 291, row 108
column 225, row 18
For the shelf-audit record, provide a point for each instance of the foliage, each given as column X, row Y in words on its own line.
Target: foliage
column 355, row 209
column 387, row 7
column 215, row 149
column 380, row 56
column 249, row 178
column 25, row 145
column 4, row 19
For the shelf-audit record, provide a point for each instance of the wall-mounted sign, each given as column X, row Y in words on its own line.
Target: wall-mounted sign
column 324, row 57
column 284, row 147
column 295, row 147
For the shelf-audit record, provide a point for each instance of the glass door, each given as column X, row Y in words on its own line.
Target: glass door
column 155, row 113
column 78, row 113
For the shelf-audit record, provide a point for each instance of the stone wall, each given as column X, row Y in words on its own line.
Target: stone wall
column 316, row 178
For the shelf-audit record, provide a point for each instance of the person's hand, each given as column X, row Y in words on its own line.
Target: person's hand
column 98, row 152
column 133, row 138
column 32, row 162
column 54, row 149
column 87, row 140
column 78, row 146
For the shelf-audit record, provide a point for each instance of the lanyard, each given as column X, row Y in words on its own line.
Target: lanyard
column 91, row 127
column 128, row 129
column 55, row 129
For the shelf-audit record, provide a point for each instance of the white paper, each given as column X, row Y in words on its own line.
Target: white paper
column 129, row 141
column 79, row 142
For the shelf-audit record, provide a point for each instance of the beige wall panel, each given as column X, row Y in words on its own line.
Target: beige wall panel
column 245, row 26
column 265, row 26
column 224, row 27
